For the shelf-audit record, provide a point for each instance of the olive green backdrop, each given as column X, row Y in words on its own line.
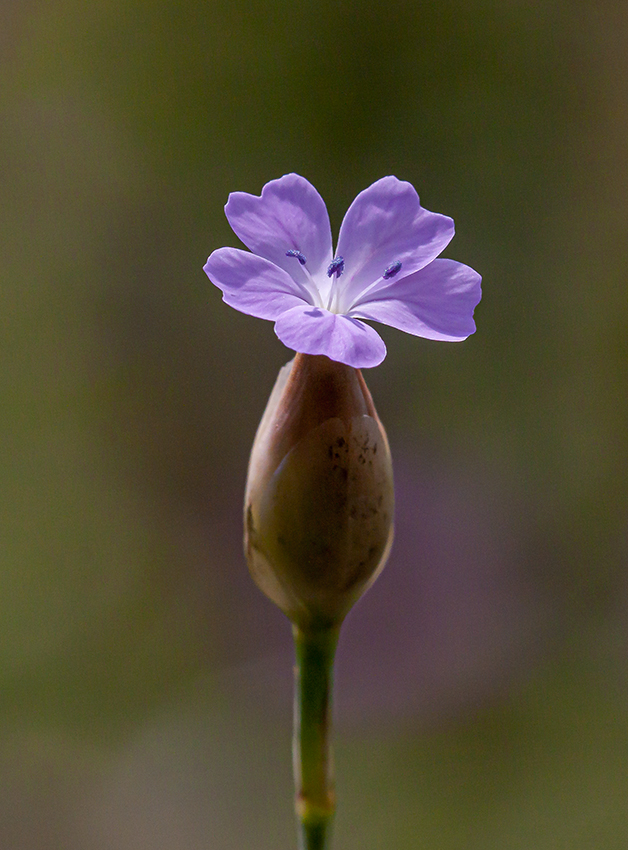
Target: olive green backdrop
column 144, row 682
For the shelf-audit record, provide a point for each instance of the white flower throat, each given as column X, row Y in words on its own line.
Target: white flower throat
column 334, row 302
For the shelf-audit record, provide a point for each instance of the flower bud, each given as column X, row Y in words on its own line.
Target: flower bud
column 319, row 498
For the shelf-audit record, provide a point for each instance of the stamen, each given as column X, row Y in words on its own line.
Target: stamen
column 336, row 267
column 392, row 270
column 294, row 253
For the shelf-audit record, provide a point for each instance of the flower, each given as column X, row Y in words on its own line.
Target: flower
column 384, row 269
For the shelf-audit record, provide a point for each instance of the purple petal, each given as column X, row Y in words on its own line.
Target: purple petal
column 436, row 302
column 312, row 330
column 386, row 224
column 253, row 285
column 290, row 215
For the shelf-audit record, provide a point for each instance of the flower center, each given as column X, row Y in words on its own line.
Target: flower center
column 335, row 270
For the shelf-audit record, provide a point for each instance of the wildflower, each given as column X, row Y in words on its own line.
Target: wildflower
column 385, row 269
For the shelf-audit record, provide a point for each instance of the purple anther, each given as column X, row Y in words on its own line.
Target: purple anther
column 294, row 253
column 392, row 270
column 336, row 267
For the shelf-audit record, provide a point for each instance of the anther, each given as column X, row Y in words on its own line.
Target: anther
column 392, row 270
column 294, row 253
column 336, row 267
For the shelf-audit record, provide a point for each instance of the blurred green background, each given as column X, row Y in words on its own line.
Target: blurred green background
column 144, row 681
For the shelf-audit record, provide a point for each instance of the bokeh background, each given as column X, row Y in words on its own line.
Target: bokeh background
column 145, row 683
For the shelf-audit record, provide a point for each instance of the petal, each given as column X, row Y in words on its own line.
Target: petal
column 253, row 285
column 312, row 330
column 386, row 224
column 289, row 215
column 436, row 302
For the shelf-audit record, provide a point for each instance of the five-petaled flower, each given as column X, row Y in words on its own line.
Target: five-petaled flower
column 384, row 269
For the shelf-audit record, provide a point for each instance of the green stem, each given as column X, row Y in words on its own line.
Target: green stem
column 311, row 746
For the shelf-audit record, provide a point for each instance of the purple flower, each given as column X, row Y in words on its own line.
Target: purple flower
column 384, row 269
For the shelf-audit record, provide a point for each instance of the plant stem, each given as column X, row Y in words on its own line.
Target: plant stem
column 311, row 746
